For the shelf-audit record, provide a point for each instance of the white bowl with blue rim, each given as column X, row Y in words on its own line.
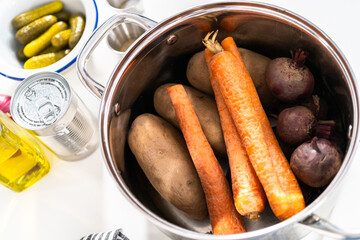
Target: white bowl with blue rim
column 10, row 66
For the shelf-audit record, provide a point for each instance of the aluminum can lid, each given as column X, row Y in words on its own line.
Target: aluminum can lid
column 40, row 100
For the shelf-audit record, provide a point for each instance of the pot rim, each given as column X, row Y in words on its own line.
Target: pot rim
column 255, row 7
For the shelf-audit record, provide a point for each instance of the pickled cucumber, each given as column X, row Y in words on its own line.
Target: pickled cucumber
column 40, row 43
column 77, row 25
column 29, row 32
column 51, row 49
column 44, row 60
column 20, row 55
column 27, row 17
column 63, row 16
column 61, row 39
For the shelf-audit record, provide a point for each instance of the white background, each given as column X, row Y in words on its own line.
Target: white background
column 79, row 198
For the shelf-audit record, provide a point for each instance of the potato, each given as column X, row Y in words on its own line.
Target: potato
column 205, row 108
column 256, row 65
column 198, row 75
column 162, row 154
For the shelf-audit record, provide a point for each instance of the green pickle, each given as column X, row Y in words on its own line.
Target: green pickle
column 62, row 16
column 27, row 17
column 77, row 25
column 51, row 49
column 29, row 32
column 37, row 45
column 22, row 159
column 61, row 39
column 44, row 60
column 20, row 55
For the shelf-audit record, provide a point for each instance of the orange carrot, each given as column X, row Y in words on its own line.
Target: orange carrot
column 226, row 69
column 286, row 178
column 223, row 216
column 248, row 193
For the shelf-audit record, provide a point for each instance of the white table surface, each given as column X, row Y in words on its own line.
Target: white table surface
column 79, row 198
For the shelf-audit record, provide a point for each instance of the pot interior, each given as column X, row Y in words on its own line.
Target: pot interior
column 162, row 55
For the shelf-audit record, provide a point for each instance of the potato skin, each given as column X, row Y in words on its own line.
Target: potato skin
column 256, row 64
column 197, row 73
column 161, row 152
column 205, row 108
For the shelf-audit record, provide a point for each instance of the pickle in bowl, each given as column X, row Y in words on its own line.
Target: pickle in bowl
column 48, row 29
column 77, row 24
column 29, row 32
column 44, row 60
column 61, row 39
column 35, row 46
column 33, row 14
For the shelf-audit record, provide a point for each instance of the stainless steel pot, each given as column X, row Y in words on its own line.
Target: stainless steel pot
column 160, row 54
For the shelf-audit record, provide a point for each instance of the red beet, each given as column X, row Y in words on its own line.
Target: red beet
column 298, row 124
column 316, row 162
column 288, row 79
column 295, row 124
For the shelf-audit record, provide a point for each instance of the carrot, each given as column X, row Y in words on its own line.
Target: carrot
column 226, row 69
column 287, row 180
column 223, row 216
column 284, row 195
column 248, row 193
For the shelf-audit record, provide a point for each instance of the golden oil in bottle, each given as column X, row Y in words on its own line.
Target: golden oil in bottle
column 22, row 160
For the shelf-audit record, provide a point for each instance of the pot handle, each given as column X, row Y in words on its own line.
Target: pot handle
column 91, row 84
column 322, row 226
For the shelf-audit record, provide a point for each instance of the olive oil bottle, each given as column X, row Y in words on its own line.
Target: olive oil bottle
column 22, row 160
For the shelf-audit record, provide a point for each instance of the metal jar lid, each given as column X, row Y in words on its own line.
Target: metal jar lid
column 42, row 103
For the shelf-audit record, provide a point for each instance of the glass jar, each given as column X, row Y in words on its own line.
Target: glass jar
column 22, row 159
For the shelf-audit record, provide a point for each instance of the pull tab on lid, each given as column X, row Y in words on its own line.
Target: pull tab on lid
column 40, row 100
column 47, row 111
